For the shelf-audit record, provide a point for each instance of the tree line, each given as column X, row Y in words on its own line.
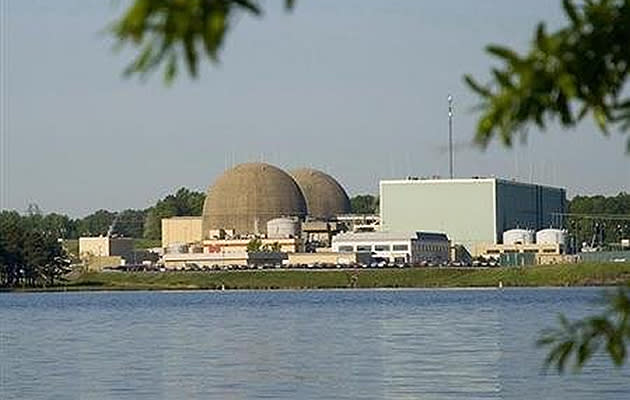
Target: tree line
column 30, row 256
column 578, row 69
column 134, row 223
column 146, row 223
column 143, row 223
column 587, row 228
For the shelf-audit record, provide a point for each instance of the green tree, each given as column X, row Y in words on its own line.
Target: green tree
column 29, row 255
column 364, row 204
column 130, row 223
column 254, row 245
column 273, row 247
column 175, row 32
column 11, row 237
column 95, row 224
column 609, row 230
column 183, row 203
column 578, row 70
column 59, row 225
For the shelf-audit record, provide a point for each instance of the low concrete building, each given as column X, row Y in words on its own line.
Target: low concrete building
column 495, row 250
column 547, row 259
column 101, row 252
column 329, row 257
column 398, row 247
column 287, row 245
column 99, row 263
column 104, row 246
column 360, row 222
column 321, row 232
column 200, row 260
column 181, row 230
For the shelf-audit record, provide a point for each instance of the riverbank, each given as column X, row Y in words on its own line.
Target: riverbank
column 592, row 274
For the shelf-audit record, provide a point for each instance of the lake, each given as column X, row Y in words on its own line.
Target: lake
column 341, row 344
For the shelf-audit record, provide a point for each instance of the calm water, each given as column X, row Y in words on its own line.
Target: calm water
column 408, row 344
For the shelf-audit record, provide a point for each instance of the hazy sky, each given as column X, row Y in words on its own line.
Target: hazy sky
column 354, row 87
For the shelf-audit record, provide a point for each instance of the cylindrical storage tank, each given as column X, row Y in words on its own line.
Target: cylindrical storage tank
column 280, row 228
column 551, row 236
column 518, row 236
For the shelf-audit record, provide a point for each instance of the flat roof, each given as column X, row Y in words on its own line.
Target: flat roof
column 386, row 235
column 419, row 180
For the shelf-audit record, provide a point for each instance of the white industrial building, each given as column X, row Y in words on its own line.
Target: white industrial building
column 472, row 212
column 396, row 247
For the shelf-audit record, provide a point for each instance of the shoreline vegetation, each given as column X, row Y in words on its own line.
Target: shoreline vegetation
column 587, row 274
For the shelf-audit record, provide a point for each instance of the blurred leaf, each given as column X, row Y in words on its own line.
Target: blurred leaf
column 503, row 52
column 166, row 31
column 476, row 87
column 582, row 66
column 579, row 340
column 570, row 10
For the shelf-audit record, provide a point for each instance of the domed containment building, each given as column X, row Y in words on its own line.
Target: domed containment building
column 325, row 197
column 247, row 196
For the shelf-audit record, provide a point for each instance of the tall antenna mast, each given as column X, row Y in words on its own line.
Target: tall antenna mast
column 450, row 135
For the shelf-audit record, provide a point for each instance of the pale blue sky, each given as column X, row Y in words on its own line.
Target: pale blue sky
column 355, row 87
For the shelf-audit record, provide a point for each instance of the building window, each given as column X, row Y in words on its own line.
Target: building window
column 346, row 249
column 364, row 248
column 401, row 247
column 381, row 247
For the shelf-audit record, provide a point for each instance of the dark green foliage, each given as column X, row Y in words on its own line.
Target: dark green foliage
column 141, row 243
column 254, row 245
column 127, row 223
column 577, row 70
column 609, row 230
column 130, row 223
column 275, row 246
column 96, row 224
column 574, row 343
column 557, row 275
column 599, row 204
column 29, row 255
column 174, row 32
column 364, row 204
column 59, row 225
column 183, row 203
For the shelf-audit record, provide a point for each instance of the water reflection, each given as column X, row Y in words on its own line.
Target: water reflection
column 307, row 345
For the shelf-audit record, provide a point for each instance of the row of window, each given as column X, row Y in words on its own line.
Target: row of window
column 376, row 247
column 497, row 251
column 433, row 247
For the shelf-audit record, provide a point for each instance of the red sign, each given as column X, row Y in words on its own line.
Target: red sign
column 213, row 248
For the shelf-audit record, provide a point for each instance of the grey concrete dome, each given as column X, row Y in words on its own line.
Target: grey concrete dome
column 245, row 197
column 325, row 197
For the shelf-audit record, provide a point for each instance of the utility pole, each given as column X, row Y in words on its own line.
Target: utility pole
column 450, row 135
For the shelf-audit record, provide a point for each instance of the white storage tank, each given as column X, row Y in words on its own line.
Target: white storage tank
column 281, row 228
column 518, row 236
column 551, row 236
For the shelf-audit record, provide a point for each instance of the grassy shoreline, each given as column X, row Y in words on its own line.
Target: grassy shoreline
column 591, row 274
